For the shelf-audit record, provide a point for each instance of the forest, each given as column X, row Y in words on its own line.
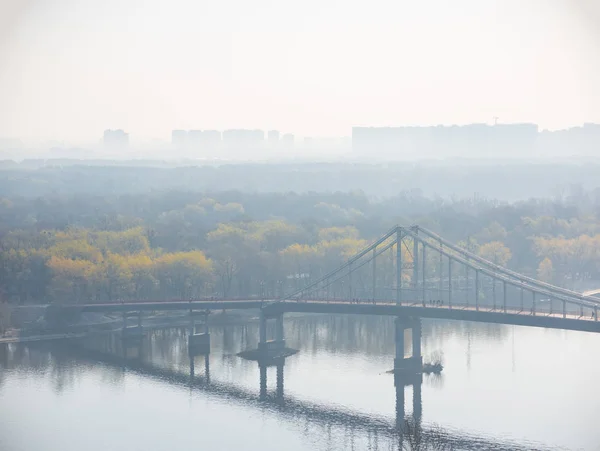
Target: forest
column 81, row 245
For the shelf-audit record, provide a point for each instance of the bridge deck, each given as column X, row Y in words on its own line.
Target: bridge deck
column 487, row 314
column 156, row 306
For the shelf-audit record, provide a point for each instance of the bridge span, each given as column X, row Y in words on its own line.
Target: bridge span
column 424, row 276
column 460, row 312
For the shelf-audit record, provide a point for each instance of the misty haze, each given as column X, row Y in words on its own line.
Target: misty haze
column 256, row 225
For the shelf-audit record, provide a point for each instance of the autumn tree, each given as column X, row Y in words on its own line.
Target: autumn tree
column 545, row 270
column 496, row 252
column 183, row 275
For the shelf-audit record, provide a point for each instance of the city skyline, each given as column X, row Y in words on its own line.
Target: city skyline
column 99, row 139
column 315, row 70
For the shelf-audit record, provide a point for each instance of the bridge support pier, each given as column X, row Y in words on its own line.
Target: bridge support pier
column 132, row 332
column 271, row 348
column 269, row 351
column 198, row 343
column 408, row 365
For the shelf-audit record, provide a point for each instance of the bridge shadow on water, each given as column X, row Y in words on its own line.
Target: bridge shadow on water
column 193, row 373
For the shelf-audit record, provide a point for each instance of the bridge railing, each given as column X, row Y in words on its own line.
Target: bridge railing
column 484, row 290
column 500, row 276
column 435, row 304
column 504, row 270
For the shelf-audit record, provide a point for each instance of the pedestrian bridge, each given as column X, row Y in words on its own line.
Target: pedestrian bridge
column 410, row 273
column 413, row 272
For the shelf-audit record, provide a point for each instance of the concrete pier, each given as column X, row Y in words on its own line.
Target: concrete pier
column 269, row 352
column 198, row 342
column 271, row 348
column 414, row 363
column 132, row 332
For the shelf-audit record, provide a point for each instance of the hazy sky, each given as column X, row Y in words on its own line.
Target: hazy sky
column 71, row 68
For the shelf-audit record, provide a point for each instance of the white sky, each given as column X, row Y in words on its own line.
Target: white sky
column 71, row 68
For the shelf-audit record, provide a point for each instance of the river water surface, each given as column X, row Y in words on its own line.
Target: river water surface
column 503, row 387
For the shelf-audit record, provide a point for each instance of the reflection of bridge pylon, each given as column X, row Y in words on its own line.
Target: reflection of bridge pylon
column 403, row 424
column 401, row 382
column 263, row 367
column 206, row 368
column 407, row 429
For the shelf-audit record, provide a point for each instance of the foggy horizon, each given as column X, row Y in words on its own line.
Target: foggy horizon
column 69, row 70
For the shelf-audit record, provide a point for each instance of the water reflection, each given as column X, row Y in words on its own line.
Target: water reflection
column 163, row 356
column 278, row 396
column 205, row 376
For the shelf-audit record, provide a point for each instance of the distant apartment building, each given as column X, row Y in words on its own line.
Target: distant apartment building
column 211, row 140
column 287, row 141
column 179, row 139
column 196, row 142
column 116, row 139
column 467, row 140
column 242, row 139
column 273, row 139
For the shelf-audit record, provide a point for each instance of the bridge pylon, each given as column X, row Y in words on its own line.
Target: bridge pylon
column 133, row 333
column 269, row 351
column 198, row 342
column 423, row 269
column 408, row 365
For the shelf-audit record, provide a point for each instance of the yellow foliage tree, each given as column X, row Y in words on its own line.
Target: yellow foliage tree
column 337, row 233
column 496, row 252
column 72, row 279
column 545, row 270
column 183, row 274
column 144, row 284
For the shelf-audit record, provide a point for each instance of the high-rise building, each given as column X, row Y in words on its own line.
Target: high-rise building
column 116, row 139
column 472, row 139
column 203, row 141
column 179, row 139
column 241, row 139
column 287, row 141
column 194, row 140
column 211, row 139
column 273, row 138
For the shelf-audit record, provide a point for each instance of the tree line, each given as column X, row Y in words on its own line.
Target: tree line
column 78, row 233
column 136, row 258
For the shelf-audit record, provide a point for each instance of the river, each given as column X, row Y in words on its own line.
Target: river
column 502, row 387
